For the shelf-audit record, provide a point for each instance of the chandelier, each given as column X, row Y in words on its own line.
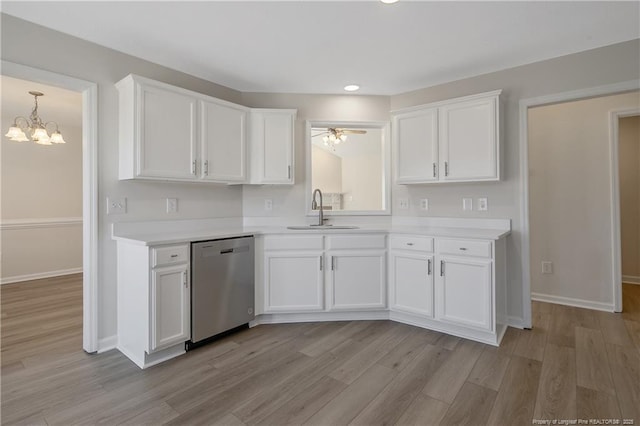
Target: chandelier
column 334, row 137
column 35, row 126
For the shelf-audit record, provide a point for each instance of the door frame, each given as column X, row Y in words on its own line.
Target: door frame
column 616, row 239
column 89, row 92
column 525, row 104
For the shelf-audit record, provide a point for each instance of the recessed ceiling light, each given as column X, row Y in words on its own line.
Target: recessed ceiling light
column 351, row 87
column 389, row 1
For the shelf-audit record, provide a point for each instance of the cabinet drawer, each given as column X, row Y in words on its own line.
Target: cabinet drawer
column 338, row 242
column 410, row 242
column 170, row 255
column 298, row 242
column 465, row 248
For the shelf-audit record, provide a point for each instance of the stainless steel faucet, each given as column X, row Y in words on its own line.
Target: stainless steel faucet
column 314, row 206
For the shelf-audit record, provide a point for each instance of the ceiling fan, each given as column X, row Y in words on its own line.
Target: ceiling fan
column 333, row 135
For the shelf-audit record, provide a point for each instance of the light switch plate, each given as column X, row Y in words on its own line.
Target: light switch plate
column 116, row 205
column 424, row 204
column 483, row 204
column 268, row 205
column 172, row 205
column 467, row 204
column 547, row 267
column 403, row 203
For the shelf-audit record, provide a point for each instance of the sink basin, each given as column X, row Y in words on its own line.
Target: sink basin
column 321, row 227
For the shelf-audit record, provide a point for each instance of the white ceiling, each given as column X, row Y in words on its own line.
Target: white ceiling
column 318, row 47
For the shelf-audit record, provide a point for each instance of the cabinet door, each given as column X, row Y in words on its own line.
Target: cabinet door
column 412, row 283
column 293, row 281
column 469, row 140
column 272, row 140
column 223, row 142
column 167, row 134
column 464, row 292
column 170, row 306
column 357, row 280
column 416, row 146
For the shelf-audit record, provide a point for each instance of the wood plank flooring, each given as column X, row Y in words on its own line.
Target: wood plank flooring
column 574, row 364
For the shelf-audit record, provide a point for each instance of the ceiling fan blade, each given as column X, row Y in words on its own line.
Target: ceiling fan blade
column 352, row 131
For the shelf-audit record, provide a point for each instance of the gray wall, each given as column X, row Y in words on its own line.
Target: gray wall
column 67, row 55
column 598, row 67
column 38, row 47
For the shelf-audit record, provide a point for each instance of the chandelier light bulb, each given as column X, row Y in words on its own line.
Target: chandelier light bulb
column 56, row 137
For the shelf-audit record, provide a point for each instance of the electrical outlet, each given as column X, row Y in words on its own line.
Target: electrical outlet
column 483, row 205
column 547, row 267
column 424, row 204
column 172, row 205
column 467, row 204
column 268, row 205
column 116, row 205
column 403, row 203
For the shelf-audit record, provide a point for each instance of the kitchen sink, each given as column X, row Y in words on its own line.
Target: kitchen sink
column 319, row 227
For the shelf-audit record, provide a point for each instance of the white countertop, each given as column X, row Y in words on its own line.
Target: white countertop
column 162, row 237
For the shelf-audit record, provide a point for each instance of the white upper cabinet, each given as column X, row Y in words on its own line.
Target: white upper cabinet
column 272, row 141
column 170, row 133
column 454, row 140
column 416, row 150
column 223, row 142
column 469, row 140
column 158, row 134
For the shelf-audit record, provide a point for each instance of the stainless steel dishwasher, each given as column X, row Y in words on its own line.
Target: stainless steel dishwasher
column 222, row 287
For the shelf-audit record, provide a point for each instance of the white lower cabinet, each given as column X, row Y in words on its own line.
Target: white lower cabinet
column 170, row 303
column 298, row 274
column 154, row 302
column 357, row 280
column 411, row 282
column 464, row 292
column 294, row 282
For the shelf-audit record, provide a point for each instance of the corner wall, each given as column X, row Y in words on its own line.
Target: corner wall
column 67, row 55
column 598, row 67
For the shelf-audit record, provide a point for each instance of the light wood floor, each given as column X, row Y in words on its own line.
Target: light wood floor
column 575, row 363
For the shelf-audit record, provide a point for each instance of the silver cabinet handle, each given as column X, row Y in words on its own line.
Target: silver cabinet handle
column 321, row 263
column 446, row 168
column 206, row 167
column 428, row 266
column 184, row 279
column 463, row 248
column 333, row 266
column 442, row 268
column 174, row 255
column 193, row 167
column 289, row 172
column 409, row 244
column 434, row 169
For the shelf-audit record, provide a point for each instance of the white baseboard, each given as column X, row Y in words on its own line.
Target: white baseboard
column 107, row 343
column 629, row 279
column 515, row 322
column 39, row 275
column 580, row 303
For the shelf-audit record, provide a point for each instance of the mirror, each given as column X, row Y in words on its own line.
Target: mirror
column 349, row 163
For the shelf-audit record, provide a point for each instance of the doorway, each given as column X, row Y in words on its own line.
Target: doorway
column 88, row 91
column 606, row 292
column 625, row 150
